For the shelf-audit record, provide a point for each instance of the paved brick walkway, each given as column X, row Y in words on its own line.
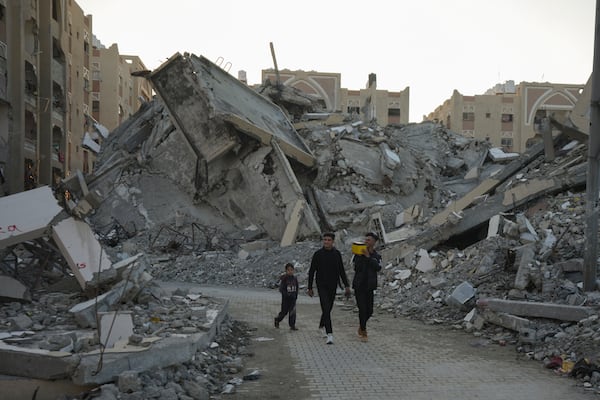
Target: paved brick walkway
column 402, row 359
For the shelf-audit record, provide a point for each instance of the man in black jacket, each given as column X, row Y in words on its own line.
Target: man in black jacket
column 327, row 264
column 366, row 267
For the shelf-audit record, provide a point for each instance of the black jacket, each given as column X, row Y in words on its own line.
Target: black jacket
column 365, row 271
column 288, row 286
column 328, row 267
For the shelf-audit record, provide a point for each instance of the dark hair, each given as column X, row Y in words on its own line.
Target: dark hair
column 289, row 265
column 329, row 234
column 373, row 235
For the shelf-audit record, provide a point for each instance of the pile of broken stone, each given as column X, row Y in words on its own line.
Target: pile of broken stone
column 472, row 237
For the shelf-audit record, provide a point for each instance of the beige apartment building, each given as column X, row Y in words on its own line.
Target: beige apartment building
column 47, row 130
column 509, row 116
column 116, row 95
column 367, row 104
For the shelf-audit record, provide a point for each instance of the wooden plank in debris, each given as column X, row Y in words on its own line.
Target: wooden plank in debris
column 26, row 215
column 81, row 249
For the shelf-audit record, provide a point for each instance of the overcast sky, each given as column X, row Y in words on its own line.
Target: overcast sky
column 431, row 46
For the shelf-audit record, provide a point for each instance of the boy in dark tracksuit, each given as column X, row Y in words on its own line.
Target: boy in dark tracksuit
column 288, row 287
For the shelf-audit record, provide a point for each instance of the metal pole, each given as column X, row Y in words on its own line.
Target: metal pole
column 591, row 204
column 275, row 63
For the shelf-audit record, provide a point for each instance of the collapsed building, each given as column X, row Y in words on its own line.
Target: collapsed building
column 213, row 182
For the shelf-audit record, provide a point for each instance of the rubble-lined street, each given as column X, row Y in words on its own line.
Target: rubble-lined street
column 214, row 184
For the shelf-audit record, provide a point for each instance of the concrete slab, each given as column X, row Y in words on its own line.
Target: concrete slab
column 13, row 290
column 115, row 327
column 291, row 230
column 19, row 388
column 26, row 215
column 198, row 92
column 81, row 249
column 560, row 312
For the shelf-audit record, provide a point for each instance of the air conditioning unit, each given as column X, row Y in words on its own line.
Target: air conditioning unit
column 96, row 96
column 86, row 73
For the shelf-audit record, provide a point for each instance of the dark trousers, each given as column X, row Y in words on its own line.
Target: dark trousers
column 326, row 298
column 288, row 306
column 364, row 301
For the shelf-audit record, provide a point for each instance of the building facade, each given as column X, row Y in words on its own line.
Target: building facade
column 509, row 115
column 116, row 94
column 46, row 93
column 368, row 104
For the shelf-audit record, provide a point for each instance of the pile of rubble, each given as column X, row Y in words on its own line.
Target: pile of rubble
column 214, row 183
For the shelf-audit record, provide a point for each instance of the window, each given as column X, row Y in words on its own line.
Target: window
column 488, row 115
column 506, row 143
column 95, row 106
column 507, row 117
column 352, row 110
column 393, row 112
column 468, row 116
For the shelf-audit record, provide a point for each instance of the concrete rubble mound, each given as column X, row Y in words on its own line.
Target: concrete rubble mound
column 213, row 182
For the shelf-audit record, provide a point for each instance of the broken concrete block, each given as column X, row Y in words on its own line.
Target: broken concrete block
column 26, row 215
column 81, row 249
column 85, row 313
column 115, row 327
column 473, row 173
column 493, row 226
column 560, row 312
column 13, row 290
column 506, row 320
column 461, row 294
column 572, row 265
column 524, row 259
column 425, row 263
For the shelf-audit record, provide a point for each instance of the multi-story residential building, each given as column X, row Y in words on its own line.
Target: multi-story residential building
column 46, row 93
column 509, row 115
column 368, row 104
column 116, row 94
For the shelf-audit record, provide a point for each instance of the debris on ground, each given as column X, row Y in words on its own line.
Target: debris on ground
column 213, row 183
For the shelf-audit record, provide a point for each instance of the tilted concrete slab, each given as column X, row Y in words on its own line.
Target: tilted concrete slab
column 81, row 249
column 13, row 290
column 199, row 95
column 26, row 215
column 560, row 312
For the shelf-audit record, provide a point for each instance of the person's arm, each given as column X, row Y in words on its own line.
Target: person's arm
column 342, row 273
column 282, row 284
column 374, row 261
column 311, row 273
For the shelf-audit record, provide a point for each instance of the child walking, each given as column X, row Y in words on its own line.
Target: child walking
column 288, row 287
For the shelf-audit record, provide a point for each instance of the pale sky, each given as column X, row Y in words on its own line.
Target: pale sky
column 431, row 46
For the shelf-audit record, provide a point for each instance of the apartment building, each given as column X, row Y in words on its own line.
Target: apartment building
column 52, row 88
column 367, row 104
column 509, row 116
column 116, row 94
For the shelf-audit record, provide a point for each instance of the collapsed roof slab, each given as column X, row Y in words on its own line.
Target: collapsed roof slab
column 81, row 249
column 26, row 215
column 198, row 93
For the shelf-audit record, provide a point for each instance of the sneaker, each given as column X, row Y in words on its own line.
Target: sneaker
column 329, row 338
column 276, row 322
column 293, row 328
column 360, row 332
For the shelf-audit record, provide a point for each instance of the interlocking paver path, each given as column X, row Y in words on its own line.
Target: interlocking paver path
column 403, row 359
